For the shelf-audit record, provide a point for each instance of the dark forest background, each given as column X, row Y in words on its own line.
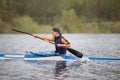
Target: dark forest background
column 71, row 16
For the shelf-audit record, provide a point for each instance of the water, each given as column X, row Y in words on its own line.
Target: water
column 100, row 45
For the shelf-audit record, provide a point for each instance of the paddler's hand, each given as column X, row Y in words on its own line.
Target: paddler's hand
column 35, row 36
column 60, row 45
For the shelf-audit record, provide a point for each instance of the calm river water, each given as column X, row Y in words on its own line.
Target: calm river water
column 99, row 45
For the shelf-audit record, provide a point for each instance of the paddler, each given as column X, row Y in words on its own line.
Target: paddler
column 60, row 43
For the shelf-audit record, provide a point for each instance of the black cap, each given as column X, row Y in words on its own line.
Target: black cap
column 56, row 30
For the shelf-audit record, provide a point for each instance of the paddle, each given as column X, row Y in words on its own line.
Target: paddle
column 73, row 51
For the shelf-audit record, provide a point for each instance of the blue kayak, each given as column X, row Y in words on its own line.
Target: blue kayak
column 30, row 56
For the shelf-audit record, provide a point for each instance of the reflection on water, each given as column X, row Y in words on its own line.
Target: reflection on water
column 60, row 69
column 100, row 45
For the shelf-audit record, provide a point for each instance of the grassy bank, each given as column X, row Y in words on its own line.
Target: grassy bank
column 68, row 25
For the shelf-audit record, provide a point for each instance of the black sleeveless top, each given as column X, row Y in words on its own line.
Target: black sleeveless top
column 58, row 40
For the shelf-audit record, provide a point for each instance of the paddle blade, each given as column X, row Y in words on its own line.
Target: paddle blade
column 75, row 52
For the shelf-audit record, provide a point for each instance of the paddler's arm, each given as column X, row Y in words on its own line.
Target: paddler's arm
column 64, row 44
column 44, row 37
column 47, row 38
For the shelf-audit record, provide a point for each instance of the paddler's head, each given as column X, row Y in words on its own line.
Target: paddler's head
column 56, row 32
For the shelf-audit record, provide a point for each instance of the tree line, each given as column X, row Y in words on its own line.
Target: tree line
column 92, row 16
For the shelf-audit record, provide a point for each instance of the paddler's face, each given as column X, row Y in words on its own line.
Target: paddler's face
column 55, row 34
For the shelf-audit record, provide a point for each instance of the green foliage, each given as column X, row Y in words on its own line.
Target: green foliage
column 91, row 27
column 27, row 24
column 110, row 27
column 88, row 16
column 1, row 25
column 70, row 21
column 12, row 8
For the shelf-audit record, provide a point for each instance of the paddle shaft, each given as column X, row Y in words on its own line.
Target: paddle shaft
column 31, row 35
column 73, row 51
